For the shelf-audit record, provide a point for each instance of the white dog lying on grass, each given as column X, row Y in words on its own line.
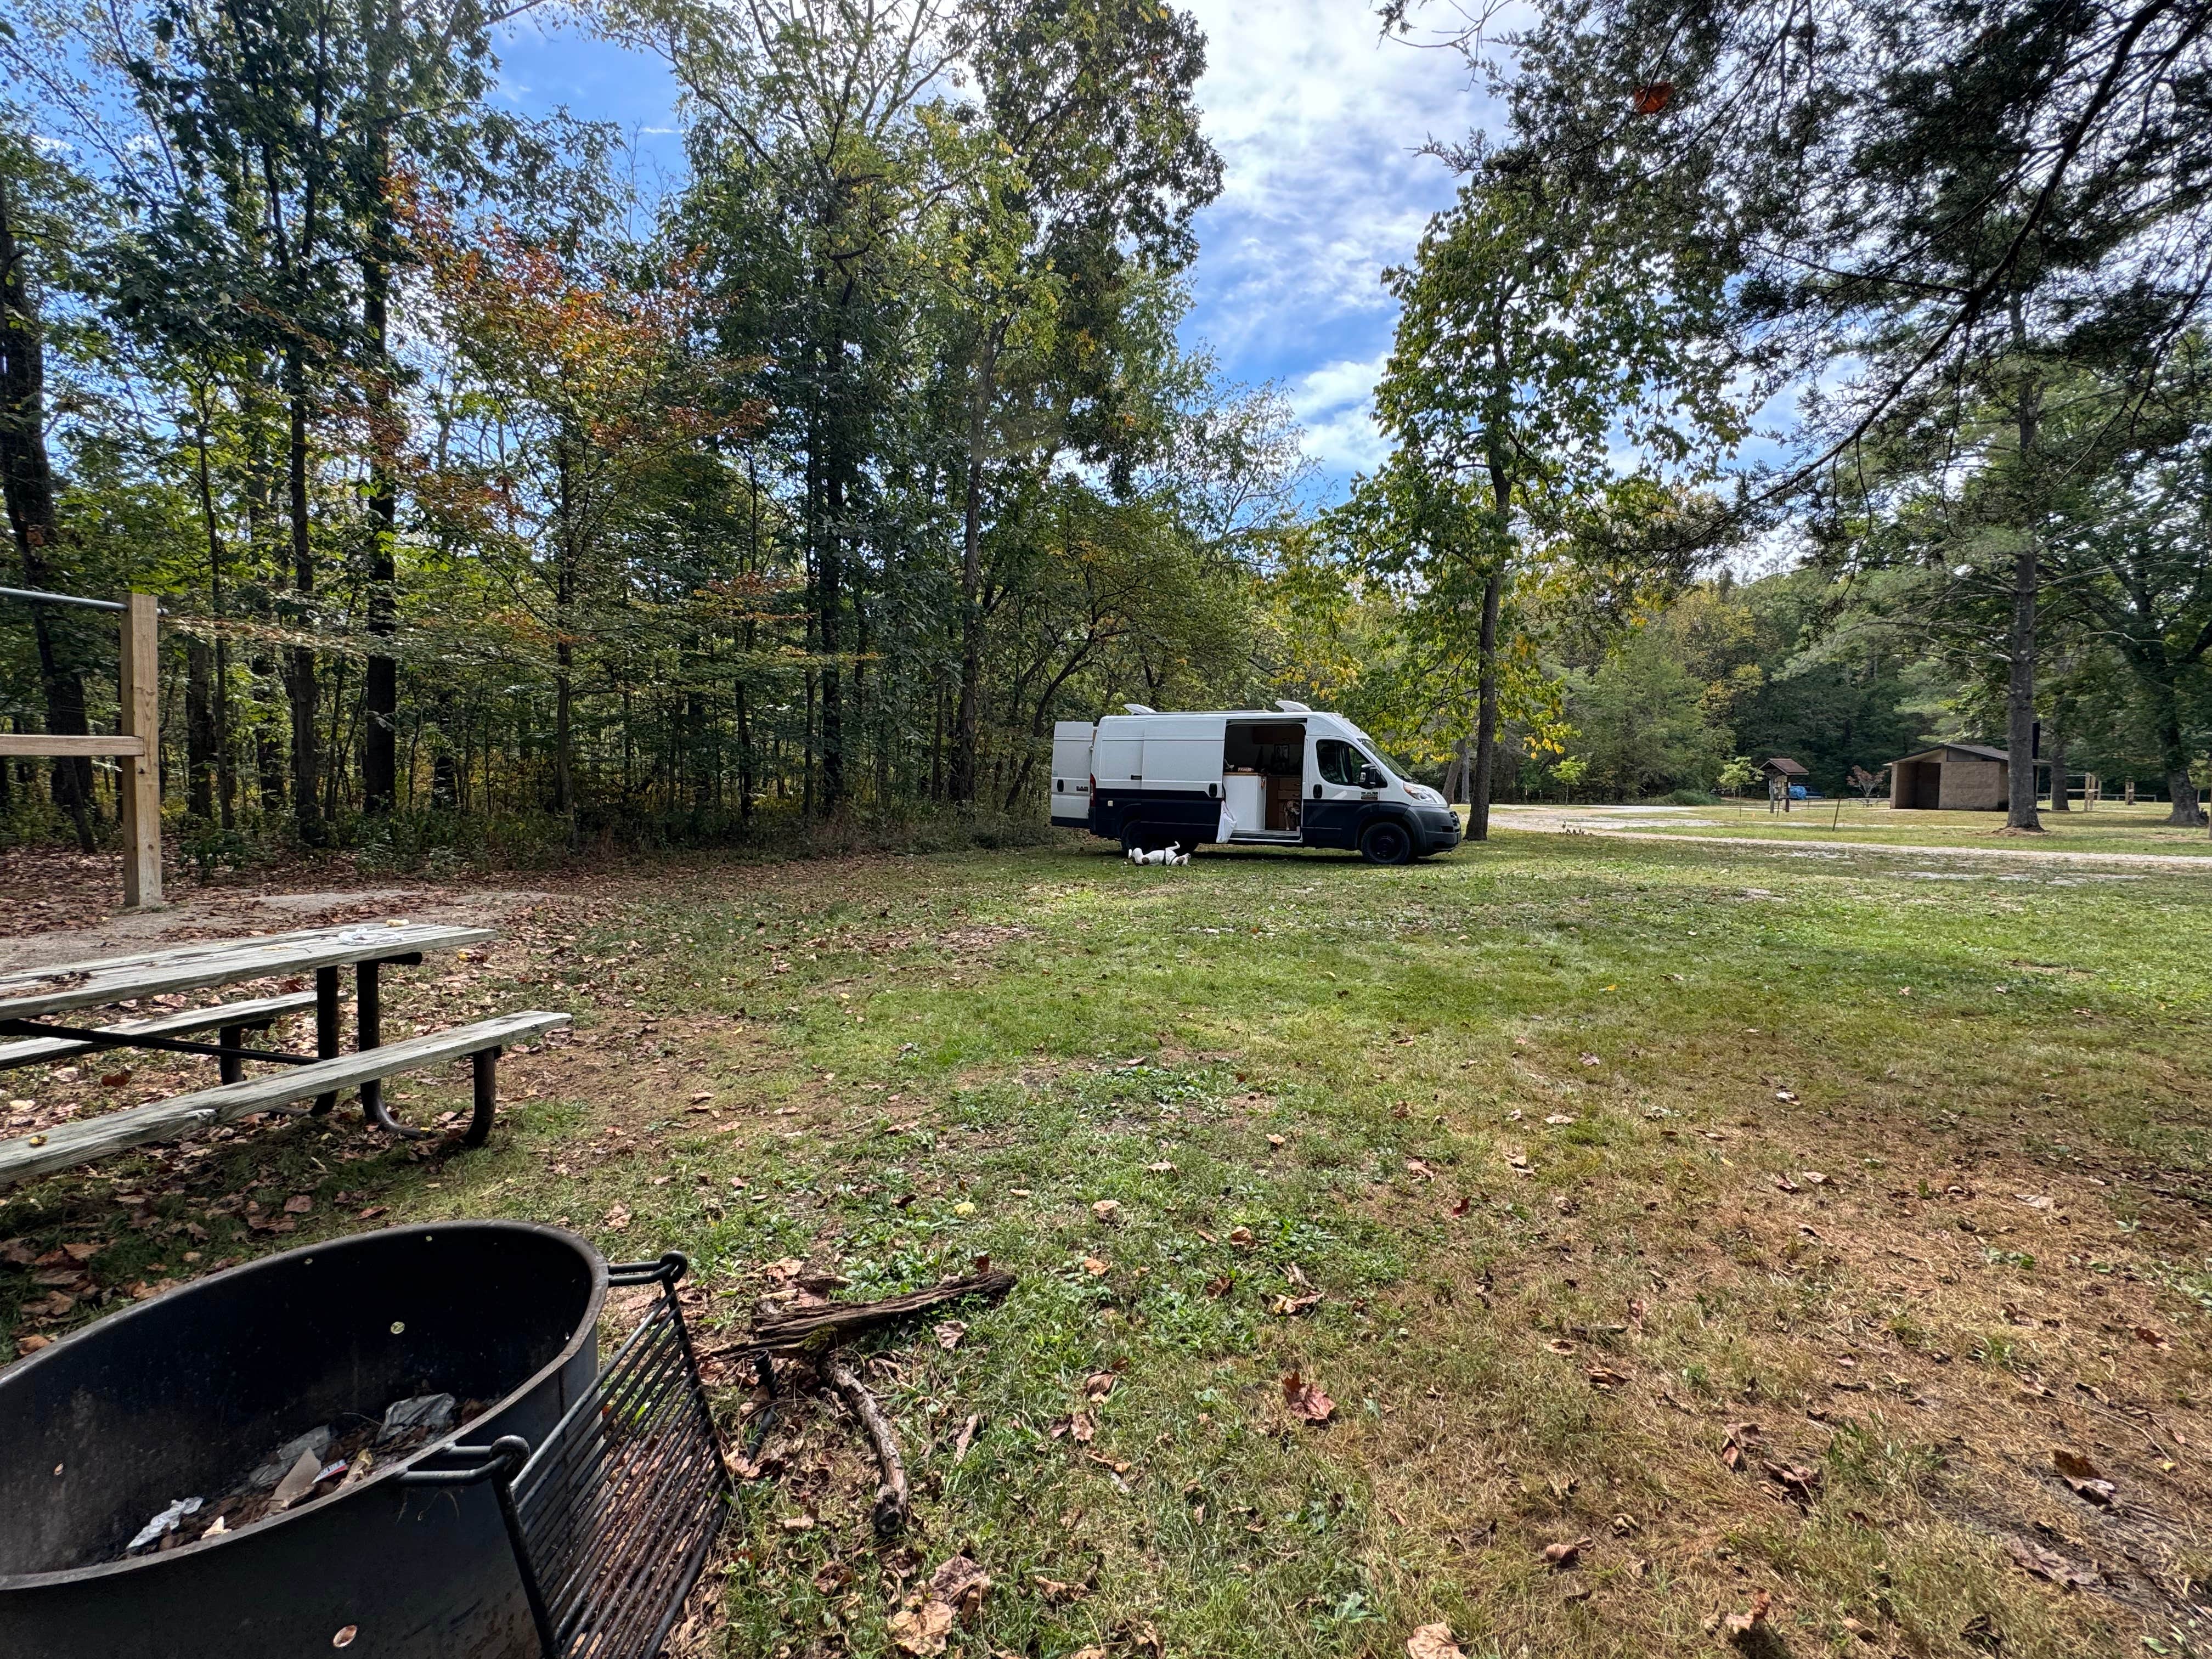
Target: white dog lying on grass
column 1171, row 854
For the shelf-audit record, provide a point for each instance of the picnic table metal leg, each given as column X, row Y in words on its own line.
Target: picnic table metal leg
column 233, row 1069
column 369, row 1007
column 327, row 1027
column 485, row 1064
column 368, row 1022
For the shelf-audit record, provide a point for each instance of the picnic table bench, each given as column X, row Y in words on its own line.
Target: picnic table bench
column 30, row 1000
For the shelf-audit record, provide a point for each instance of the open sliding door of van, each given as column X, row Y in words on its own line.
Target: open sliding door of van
column 1071, row 772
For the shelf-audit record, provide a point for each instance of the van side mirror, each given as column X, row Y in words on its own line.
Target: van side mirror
column 1371, row 777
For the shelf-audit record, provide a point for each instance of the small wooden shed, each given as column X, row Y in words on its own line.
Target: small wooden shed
column 1953, row 777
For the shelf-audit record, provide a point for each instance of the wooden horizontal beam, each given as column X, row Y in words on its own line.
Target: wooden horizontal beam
column 47, row 745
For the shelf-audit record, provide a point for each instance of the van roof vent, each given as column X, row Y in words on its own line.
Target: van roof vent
column 1139, row 708
column 1290, row 708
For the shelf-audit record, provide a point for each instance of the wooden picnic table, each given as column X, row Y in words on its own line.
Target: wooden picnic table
column 31, row 998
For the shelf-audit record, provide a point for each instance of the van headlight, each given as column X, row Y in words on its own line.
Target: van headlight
column 1421, row 792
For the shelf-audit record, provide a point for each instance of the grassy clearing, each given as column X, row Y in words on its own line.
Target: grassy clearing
column 1539, row 1122
column 2110, row 827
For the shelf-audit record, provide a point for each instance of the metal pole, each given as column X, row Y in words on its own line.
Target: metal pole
column 33, row 596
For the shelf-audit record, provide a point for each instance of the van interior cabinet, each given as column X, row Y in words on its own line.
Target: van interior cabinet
column 1283, row 804
column 1246, row 794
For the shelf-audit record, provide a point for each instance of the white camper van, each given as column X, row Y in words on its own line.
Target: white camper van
column 1290, row 776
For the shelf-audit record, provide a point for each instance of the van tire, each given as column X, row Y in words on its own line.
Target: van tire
column 1386, row 840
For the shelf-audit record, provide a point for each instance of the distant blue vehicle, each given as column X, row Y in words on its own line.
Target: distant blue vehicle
column 1799, row 792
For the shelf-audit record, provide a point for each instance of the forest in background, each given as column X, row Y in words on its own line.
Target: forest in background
column 495, row 508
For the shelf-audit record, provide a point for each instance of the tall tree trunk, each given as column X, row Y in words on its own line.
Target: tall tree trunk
column 830, row 592
column 380, row 690
column 567, row 584
column 299, row 676
column 2020, row 643
column 967, row 736
column 744, row 749
column 26, row 477
column 199, row 729
column 1486, row 719
column 2184, row 811
column 218, row 669
column 2054, row 745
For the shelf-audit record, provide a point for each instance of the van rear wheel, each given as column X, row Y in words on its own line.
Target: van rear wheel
column 1387, row 843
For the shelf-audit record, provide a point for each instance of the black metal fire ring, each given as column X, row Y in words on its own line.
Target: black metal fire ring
column 587, row 1328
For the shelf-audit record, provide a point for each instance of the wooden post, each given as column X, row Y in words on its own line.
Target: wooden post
column 141, row 778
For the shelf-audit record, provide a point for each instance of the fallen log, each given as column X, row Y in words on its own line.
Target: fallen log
column 889, row 1513
column 826, row 1327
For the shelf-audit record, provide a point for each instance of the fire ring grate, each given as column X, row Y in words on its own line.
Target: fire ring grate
column 611, row 1517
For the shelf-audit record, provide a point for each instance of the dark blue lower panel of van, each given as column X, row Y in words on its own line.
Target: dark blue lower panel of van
column 1193, row 820
column 1171, row 814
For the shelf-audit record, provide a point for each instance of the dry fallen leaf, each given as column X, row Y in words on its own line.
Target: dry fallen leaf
column 618, row 1218
column 1741, row 1437
column 1433, row 1642
column 2087, row 1482
column 1286, row 1306
column 948, row 1334
column 1738, row 1627
column 299, row 1204
column 1106, row 1209
column 922, row 1630
column 965, row 1438
column 2048, row 1564
column 1099, row 1384
column 1560, row 1557
column 1093, row 1265
column 960, row 1584
column 1305, row 1399
column 1241, row 1236
column 1601, row 1377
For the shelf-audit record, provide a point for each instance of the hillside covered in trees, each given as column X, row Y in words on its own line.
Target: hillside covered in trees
column 493, row 504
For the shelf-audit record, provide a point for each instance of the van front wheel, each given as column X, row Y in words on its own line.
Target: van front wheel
column 1387, row 843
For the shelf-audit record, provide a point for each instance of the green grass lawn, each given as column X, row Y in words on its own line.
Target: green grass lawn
column 2110, row 827
column 1593, row 1151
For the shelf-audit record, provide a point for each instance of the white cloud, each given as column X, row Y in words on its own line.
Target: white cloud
column 1333, row 403
column 1318, row 121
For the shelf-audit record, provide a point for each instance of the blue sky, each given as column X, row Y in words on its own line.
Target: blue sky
column 1318, row 122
